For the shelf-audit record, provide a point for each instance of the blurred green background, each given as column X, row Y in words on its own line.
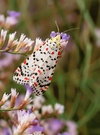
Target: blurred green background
column 76, row 82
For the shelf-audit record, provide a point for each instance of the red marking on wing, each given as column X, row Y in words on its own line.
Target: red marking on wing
column 41, row 89
column 56, row 61
column 46, row 87
column 24, row 62
column 33, row 77
column 35, row 84
column 18, row 70
column 50, row 78
column 37, row 49
column 59, row 54
column 46, row 49
column 34, row 69
column 39, row 71
column 26, row 78
column 52, row 53
column 44, row 43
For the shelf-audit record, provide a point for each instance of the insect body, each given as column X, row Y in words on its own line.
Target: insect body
column 37, row 70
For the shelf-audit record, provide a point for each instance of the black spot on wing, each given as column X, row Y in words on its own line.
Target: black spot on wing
column 21, row 70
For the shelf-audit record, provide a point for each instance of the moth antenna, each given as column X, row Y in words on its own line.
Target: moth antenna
column 57, row 26
column 72, row 29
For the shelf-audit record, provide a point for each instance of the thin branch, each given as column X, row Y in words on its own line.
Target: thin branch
column 2, row 51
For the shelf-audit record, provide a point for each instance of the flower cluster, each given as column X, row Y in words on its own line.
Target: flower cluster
column 28, row 116
column 23, row 123
column 64, row 36
column 9, row 21
column 6, row 60
column 11, row 44
column 14, row 45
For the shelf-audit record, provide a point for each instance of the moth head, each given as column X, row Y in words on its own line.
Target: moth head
column 59, row 39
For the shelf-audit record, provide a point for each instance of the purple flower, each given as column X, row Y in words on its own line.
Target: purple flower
column 25, row 119
column 38, row 128
column 35, row 128
column 55, row 125
column 72, row 127
column 13, row 14
column 65, row 133
column 28, row 92
column 6, row 131
column 52, row 34
column 11, row 19
column 28, row 88
column 6, row 60
column 64, row 36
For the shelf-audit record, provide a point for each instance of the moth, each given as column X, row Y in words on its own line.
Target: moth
column 37, row 69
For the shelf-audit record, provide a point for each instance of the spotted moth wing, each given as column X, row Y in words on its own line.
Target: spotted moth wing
column 46, row 59
column 37, row 70
column 24, row 71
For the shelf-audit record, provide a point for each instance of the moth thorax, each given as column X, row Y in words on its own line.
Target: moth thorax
column 55, row 42
column 56, row 38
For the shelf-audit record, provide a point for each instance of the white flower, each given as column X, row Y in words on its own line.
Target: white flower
column 64, row 43
column 2, row 19
column 15, row 42
column 29, row 100
column 28, row 92
column 38, row 43
column 11, row 21
column 5, row 105
column 24, row 120
column 30, row 43
column 22, row 37
column 11, row 37
column 59, row 108
column 3, row 35
column 5, row 97
column 24, row 42
column 25, row 117
column 72, row 127
column 14, row 93
column 38, row 101
column 27, row 42
column 47, row 109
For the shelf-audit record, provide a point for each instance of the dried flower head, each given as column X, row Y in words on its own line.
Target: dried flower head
column 13, row 45
column 11, row 20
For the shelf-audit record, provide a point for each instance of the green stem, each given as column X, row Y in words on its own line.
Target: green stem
column 75, row 105
column 86, row 63
column 27, row 18
column 86, row 15
column 90, row 113
column 3, row 51
column 61, row 88
column 10, row 109
column 95, row 65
